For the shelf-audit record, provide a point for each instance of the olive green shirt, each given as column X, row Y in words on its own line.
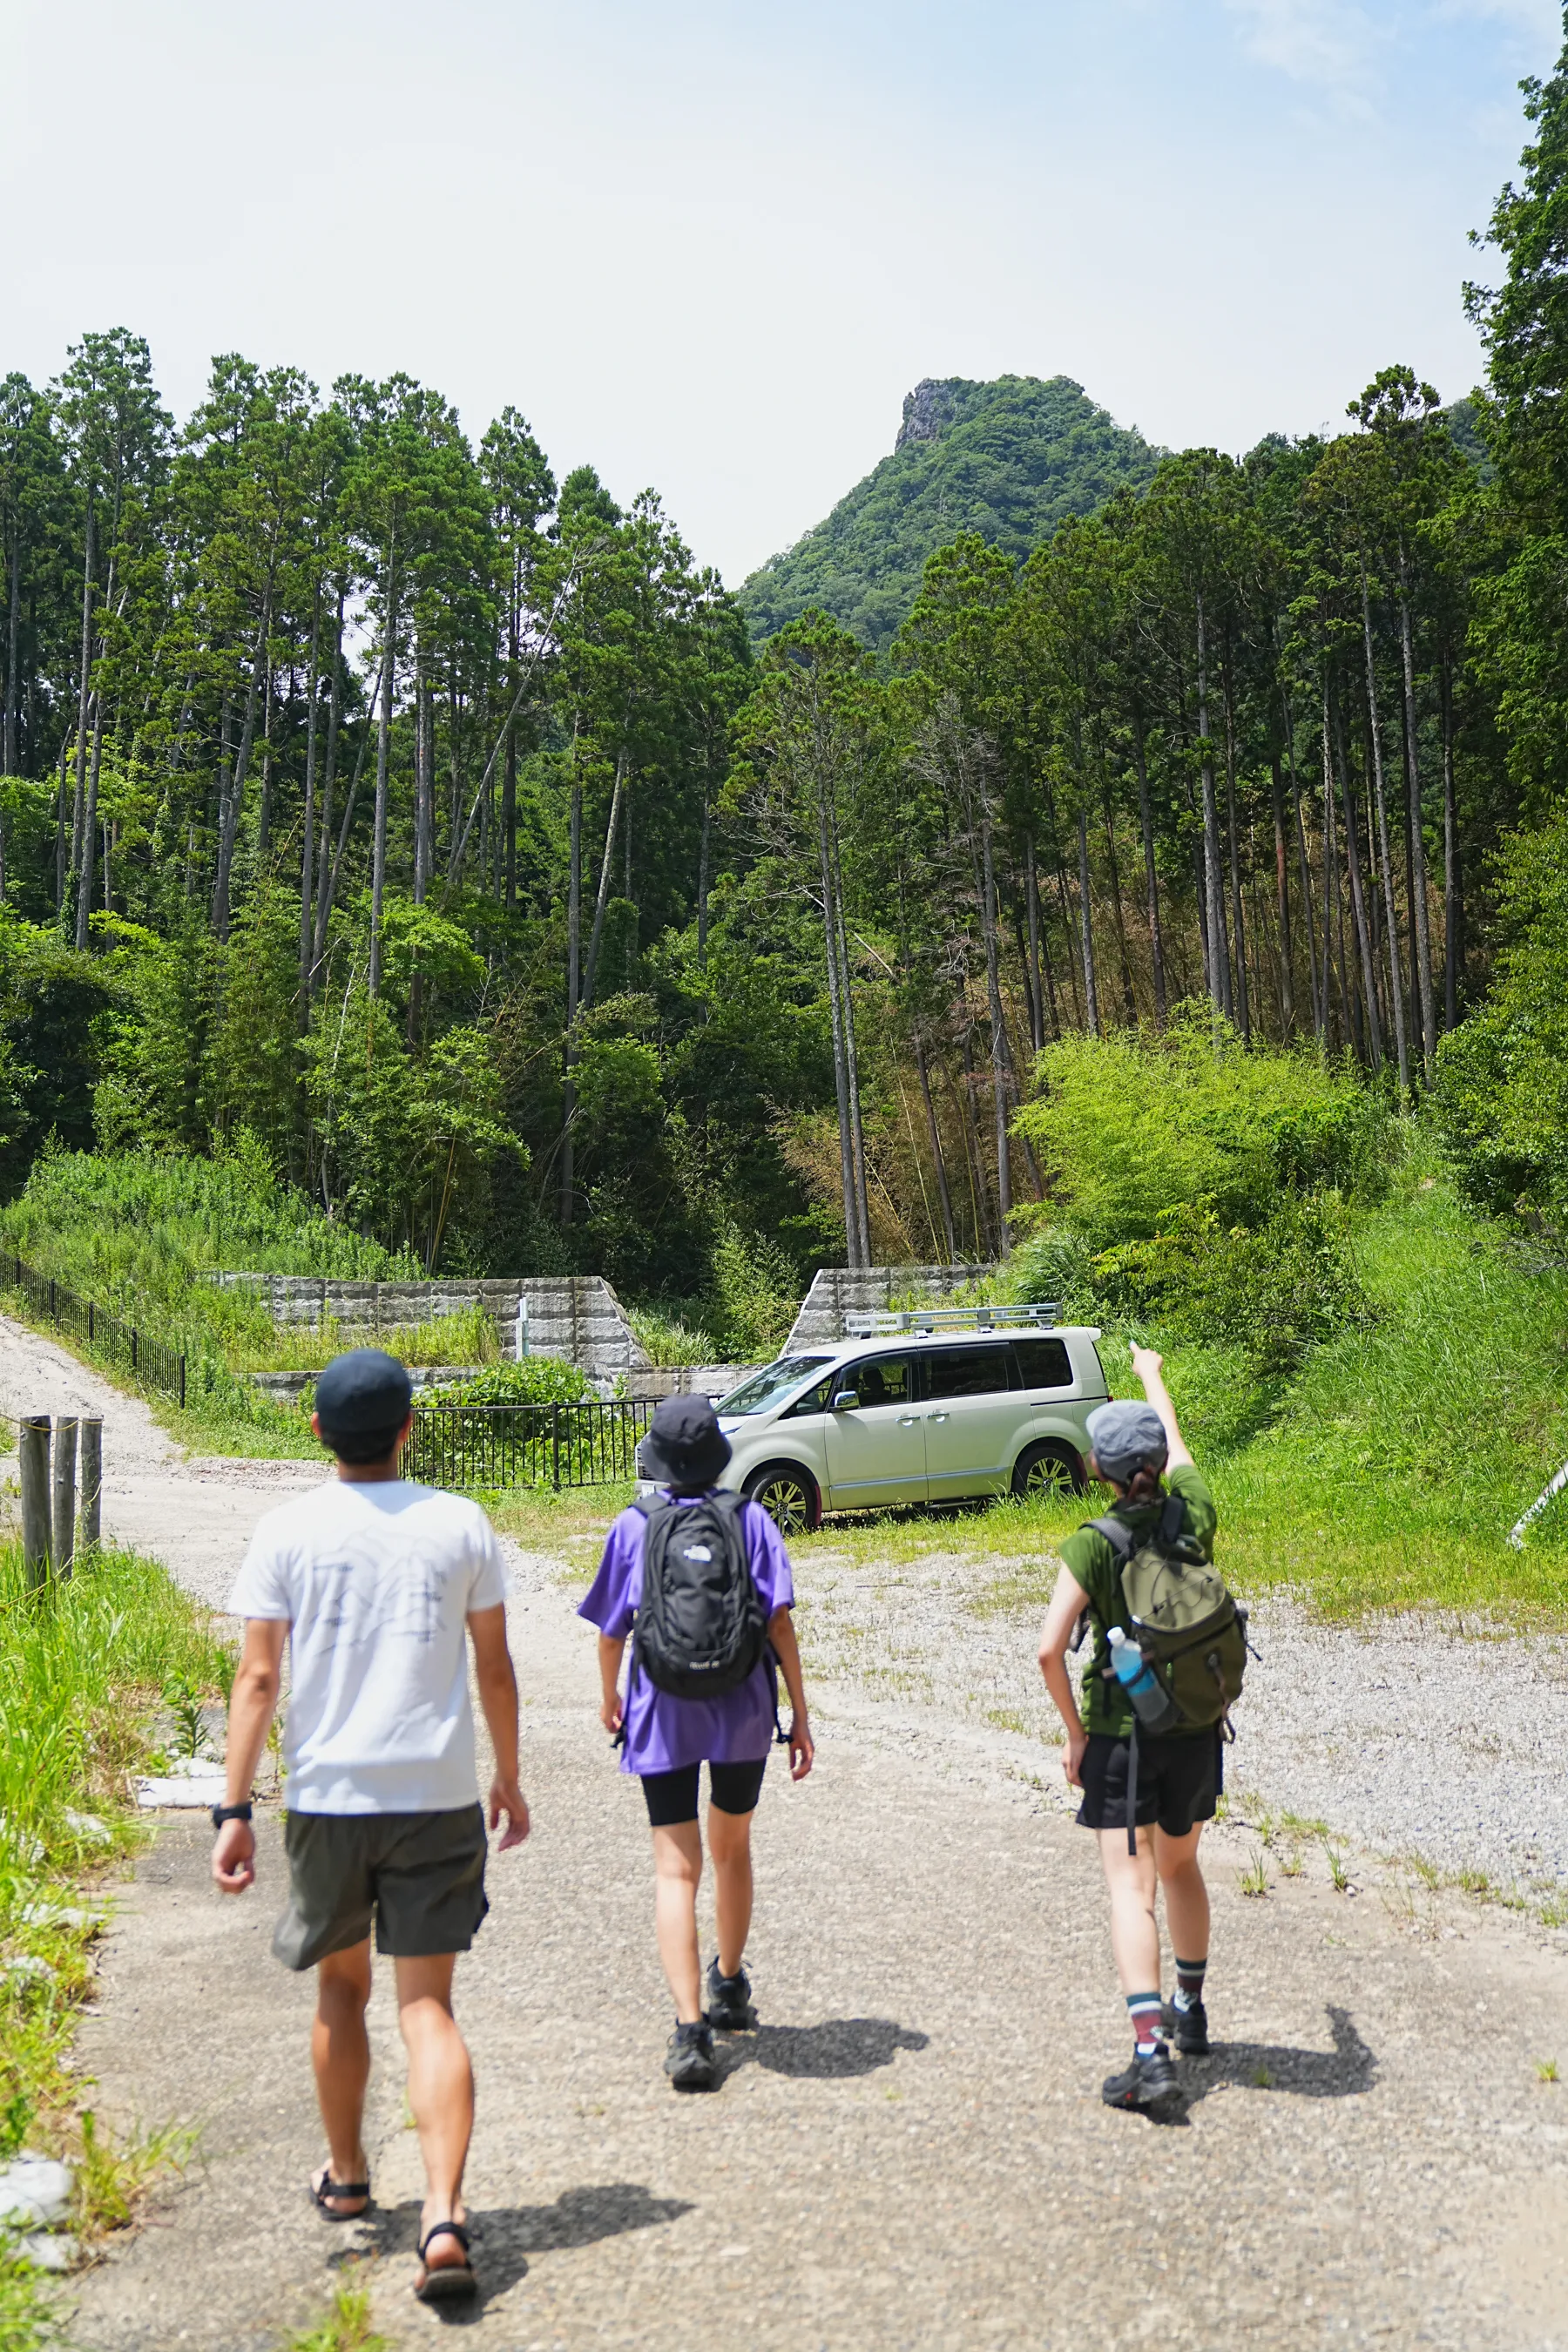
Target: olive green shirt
column 1091, row 1561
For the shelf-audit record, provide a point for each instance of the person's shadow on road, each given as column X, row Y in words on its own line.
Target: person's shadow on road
column 1345, row 2071
column 504, row 2236
column 837, row 2049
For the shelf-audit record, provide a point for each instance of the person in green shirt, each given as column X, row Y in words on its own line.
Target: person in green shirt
column 1136, row 1450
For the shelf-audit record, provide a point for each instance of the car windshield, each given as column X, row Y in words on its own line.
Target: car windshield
column 770, row 1385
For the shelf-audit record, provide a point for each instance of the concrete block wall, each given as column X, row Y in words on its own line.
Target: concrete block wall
column 574, row 1316
column 838, row 1291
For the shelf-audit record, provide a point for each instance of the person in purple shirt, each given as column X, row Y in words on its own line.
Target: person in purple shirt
column 667, row 1740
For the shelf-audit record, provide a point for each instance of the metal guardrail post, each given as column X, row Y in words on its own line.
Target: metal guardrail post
column 53, row 1316
column 32, row 1452
column 92, row 1482
column 181, row 1383
column 64, row 1546
column 91, row 1333
column 133, row 1345
column 555, row 1446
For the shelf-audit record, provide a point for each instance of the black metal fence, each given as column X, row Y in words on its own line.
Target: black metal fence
column 152, row 1363
column 493, row 1446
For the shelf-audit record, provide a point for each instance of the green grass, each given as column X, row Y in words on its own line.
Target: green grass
column 84, row 1669
column 668, row 1340
column 346, row 2328
column 1387, row 1471
column 1390, row 1471
column 468, row 1336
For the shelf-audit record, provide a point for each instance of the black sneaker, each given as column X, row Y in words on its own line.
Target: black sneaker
column 729, row 2008
column 1149, row 2085
column 689, row 2060
column 1190, row 2028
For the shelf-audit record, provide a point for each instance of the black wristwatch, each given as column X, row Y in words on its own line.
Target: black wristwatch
column 222, row 1813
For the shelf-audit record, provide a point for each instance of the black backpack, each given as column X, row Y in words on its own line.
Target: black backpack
column 702, row 1628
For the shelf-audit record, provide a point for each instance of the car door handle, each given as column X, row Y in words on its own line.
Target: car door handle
column 939, row 1416
column 908, row 1420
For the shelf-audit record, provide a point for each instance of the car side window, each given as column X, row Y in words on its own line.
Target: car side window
column 969, row 1372
column 880, row 1380
column 815, row 1400
column 1044, row 1363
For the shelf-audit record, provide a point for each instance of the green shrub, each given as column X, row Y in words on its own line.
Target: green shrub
column 538, row 1380
column 1500, row 1105
column 754, row 1295
column 1132, row 1127
column 668, row 1340
column 1275, row 1291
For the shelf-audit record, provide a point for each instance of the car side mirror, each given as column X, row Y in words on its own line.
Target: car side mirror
column 845, row 1401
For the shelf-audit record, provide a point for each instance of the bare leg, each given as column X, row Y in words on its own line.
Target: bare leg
column 440, row 2093
column 677, row 1873
column 729, row 1844
column 1187, row 1896
column 1134, row 1936
column 340, row 2053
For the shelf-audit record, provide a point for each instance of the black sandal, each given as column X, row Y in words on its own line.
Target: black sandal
column 452, row 2280
column 324, row 2186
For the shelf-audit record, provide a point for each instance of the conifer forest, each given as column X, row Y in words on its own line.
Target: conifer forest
column 436, row 823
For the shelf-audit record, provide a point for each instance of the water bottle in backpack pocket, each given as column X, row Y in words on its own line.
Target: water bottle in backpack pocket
column 1152, row 1703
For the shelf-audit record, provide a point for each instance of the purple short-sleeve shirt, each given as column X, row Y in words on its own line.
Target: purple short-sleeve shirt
column 664, row 1732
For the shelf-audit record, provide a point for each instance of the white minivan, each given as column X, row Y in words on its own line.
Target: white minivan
column 915, row 1415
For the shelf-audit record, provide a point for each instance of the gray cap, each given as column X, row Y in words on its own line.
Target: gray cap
column 1127, row 1436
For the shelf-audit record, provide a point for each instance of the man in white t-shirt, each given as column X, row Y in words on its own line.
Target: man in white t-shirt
column 378, row 1585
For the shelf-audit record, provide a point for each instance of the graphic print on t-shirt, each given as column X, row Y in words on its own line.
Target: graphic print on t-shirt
column 361, row 1610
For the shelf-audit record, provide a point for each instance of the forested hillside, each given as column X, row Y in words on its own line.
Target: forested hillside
column 372, row 794
column 1008, row 460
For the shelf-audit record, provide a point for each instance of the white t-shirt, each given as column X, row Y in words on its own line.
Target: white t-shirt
column 376, row 1582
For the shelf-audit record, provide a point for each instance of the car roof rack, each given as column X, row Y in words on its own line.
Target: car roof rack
column 1040, row 1317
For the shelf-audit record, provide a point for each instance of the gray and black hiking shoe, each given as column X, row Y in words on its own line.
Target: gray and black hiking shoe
column 1190, row 2030
column 690, row 2061
column 1150, row 2086
column 730, row 2009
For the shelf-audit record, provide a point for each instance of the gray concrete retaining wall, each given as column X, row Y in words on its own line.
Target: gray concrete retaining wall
column 576, row 1316
column 837, row 1291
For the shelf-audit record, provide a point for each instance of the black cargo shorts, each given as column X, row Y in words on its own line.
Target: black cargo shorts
column 420, row 1876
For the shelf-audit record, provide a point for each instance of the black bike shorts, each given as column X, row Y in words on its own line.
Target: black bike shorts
column 1179, row 1781
column 672, row 1796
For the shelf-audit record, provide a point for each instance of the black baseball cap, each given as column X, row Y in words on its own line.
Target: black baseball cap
column 363, row 1392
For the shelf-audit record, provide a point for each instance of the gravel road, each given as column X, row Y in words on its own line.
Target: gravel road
column 911, row 2153
column 1408, row 1736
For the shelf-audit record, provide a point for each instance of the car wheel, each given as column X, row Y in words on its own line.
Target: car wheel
column 788, row 1496
column 1046, row 1470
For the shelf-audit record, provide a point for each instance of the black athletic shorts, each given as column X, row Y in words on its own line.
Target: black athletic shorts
column 672, row 1796
column 1179, row 1781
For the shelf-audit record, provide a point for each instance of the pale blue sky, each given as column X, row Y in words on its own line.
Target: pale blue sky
column 710, row 245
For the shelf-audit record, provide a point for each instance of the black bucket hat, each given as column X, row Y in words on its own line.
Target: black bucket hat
column 685, row 1445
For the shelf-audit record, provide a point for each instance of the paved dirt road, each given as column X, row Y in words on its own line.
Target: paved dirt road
column 194, row 1515
column 912, row 2152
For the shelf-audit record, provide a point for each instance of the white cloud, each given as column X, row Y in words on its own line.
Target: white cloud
column 1541, row 19
column 1326, row 43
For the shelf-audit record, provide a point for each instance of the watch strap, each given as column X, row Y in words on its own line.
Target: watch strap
column 222, row 1813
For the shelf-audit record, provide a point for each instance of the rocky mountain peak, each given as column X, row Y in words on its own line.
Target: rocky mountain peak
column 927, row 410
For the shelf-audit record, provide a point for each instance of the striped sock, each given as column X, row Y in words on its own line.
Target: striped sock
column 1190, row 1983
column 1144, row 2009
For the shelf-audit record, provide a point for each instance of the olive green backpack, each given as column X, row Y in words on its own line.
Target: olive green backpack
column 1188, row 1626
